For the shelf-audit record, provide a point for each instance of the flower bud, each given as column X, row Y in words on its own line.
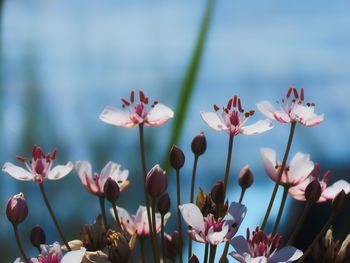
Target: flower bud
column 339, row 202
column 245, row 178
column 17, row 209
column 199, row 144
column 37, row 237
column 193, row 259
column 111, row 190
column 94, row 236
column 164, row 204
column 156, row 181
column 118, row 247
column 218, row 192
column 177, row 157
column 171, row 245
column 313, row 191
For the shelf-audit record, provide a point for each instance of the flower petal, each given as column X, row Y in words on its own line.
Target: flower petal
column 83, row 169
column 286, row 254
column 17, row 172
column 257, row 128
column 217, row 237
column 125, row 220
column 234, row 218
column 240, row 244
column 74, row 256
column 60, row 171
column 314, row 121
column 266, row 108
column 213, row 121
column 300, row 168
column 192, row 216
column 332, row 191
column 116, row 117
column 269, row 158
column 158, row 115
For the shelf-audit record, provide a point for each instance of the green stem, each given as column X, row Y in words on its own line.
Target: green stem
column 280, row 172
column 280, row 211
column 212, row 253
column 300, row 223
column 228, row 162
column 223, row 258
column 57, row 225
column 19, row 244
column 154, row 201
column 142, row 250
column 103, row 211
column 162, row 237
column 242, row 195
column 206, row 252
column 179, row 213
column 115, row 211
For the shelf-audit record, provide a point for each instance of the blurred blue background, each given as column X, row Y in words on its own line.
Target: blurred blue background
column 61, row 62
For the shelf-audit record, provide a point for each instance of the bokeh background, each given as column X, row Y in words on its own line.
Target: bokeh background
column 61, row 62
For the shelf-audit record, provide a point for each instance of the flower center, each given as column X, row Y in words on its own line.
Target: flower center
column 210, row 222
column 262, row 245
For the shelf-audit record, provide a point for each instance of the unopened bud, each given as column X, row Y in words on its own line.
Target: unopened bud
column 199, row 144
column 193, row 259
column 245, row 178
column 170, row 247
column 118, row 247
column 217, row 193
column 164, row 204
column 37, row 237
column 17, row 209
column 111, row 190
column 177, row 157
column 156, row 181
column 339, row 202
column 313, row 191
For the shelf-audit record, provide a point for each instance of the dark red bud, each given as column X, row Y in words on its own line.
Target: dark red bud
column 17, row 209
column 156, row 181
column 245, row 178
column 111, row 190
column 164, row 204
column 193, row 259
column 199, row 144
column 339, row 202
column 177, row 157
column 218, row 192
column 313, row 191
column 37, row 237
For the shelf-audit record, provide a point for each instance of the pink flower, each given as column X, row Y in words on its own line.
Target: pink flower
column 94, row 183
column 233, row 118
column 262, row 248
column 208, row 229
column 137, row 113
column 294, row 174
column 38, row 168
column 292, row 110
column 138, row 222
column 327, row 193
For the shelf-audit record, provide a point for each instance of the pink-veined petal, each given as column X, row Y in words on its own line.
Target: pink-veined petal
column 213, row 121
column 257, row 128
column 60, row 171
column 240, row 244
column 74, row 256
column 216, row 238
column 125, row 220
column 17, row 172
column 159, row 114
column 83, row 169
column 234, row 217
column 199, row 237
column 332, row 191
column 281, row 116
column 314, row 121
column 269, row 158
column 300, row 168
column 116, row 117
column 266, row 108
column 285, row 255
column 192, row 216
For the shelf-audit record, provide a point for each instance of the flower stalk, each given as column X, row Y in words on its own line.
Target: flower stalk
column 212, row 253
column 179, row 213
column 114, row 204
column 280, row 210
column 19, row 244
column 206, row 252
column 228, row 162
column 162, row 237
column 103, row 211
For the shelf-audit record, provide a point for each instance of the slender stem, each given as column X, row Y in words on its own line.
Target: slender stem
column 206, row 252
column 280, row 172
column 154, row 201
column 212, row 253
column 103, row 211
column 228, row 161
column 280, row 211
column 242, row 195
column 223, row 258
column 47, row 203
column 142, row 250
column 194, row 170
column 300, row 223
column 19, row 244
column 115, row 211
column 317, row 238
column 162, row 237
column 178, row 213
column 144, row 171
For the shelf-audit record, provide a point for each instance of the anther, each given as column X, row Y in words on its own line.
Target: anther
column 234, row 103
column 21, row 158
column 240, row 105
column 216, row 107
column 142, row 96
column 229, row 104
column 246, row 114
column 295, row 91
column 132, row 96
column 54, row 154
column 302, row 94
column 251, row 112
column 145, row 100
column 125, row 102
column 289, row 92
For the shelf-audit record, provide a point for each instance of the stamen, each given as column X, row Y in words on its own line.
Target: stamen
column 308, row 104
column 229, row 104
column 155, row 102
column 54, row 154
column 132, row 96
column 317, row 169
column 251, row 112
column 142, row 96
column 302, row 94
column 240, row 106
column 289, row 92
column 216, row 107
column 234, row 103
column 21, row 158
column 326, row 175
column 145, row 100
column 125, row 102
column 295, row 91
column 246, row 114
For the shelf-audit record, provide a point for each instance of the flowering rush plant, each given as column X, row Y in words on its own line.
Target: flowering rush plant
column 210, row 219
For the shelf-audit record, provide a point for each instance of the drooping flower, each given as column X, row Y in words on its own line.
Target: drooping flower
column 262, row 248
column 136, row 113
column 233, row 118
column 294, row 174
column 38, row 167
column 138, row 222
column 94, row 183
column 207, row 229
column 292, row 109
column 327, row 192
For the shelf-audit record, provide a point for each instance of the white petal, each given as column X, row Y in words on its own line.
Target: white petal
column 314, row 121
column 192, row 216
column 107, row 171
column 332, row 191
column 83, row 169
column 217, row 237
column 300, row 168
column 302, row 113
column 257, row 128
column 60, row 171
column 213, row 121
column 125, row 219
column 116, row 117
column 240, row 244
column 159, row 114
column 17, row 172
column 234, row 217
column 269, row 158
column 266, row 108
column 286, row 254
column 74, row 256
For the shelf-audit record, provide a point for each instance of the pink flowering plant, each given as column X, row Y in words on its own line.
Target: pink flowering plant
column 211, row 219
